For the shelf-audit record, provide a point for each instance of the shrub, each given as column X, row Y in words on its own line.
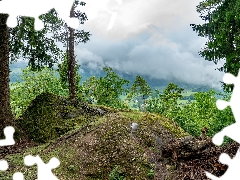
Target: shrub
column 166, row 103
column 106, row 90
column 195, row 115
column 204, row 112
column 34, row 83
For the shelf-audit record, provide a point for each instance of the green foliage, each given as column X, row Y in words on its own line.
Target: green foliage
column 34, row 84
column 63, row 72
column 40, row 120
column 116, row 174
column 222, row 30
column 106, row 90
column 32, row 45
column 140, row 87
column 60, row 29
column 36, row 46
column 203, row 112
column 89, row 89
column 139, row 91
column 49, row 116
column 197, row 114
column 151, row 173
column 191, row 97
column 166, row 103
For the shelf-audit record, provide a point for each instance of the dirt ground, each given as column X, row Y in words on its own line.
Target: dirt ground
column 195, row 168
column 166, row 168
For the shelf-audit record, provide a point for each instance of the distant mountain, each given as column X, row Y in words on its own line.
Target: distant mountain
column 86, row 73
column 15, row 78
column 163, row 83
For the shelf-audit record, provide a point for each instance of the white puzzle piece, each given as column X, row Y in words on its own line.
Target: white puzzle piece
column 18, row 176
column 3, row 165
column 232, row 172
column 231, row 131
column 44, row 170
column 8, row 132
column 35, row 8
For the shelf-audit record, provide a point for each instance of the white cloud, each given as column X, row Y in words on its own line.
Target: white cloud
column 134, row 16
column 89, row 59
column 149, row 38
column 157, row 56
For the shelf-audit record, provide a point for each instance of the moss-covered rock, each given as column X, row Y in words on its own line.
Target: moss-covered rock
column 110, row 143
column 95, row 150
column 50, row 116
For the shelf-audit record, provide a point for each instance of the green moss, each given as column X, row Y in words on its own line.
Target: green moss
column 50, row 116
column 149, row 119
column 172, row 126
column 135, row 115
column 94, row 152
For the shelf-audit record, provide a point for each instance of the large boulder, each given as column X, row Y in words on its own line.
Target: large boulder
column 50, row 116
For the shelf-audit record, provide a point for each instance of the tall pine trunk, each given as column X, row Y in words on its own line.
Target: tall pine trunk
column 6, row 116
column 71, row 66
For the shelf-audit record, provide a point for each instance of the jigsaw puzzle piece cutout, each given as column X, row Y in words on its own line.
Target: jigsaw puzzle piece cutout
column 221, row 104
column 8, row 133
column 63, row 9
column 229, row 78
column 232, row 172
column 231, row 131
column 35, row 8
column 44, row 170
column 18, row 176
column 12, row 21
column 31, row 8
column 235, row 98
column 3, row 165
column 113, row 15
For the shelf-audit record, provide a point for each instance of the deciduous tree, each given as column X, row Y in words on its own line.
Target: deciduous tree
column 141, row 88
column 106, row 90
column 166, row 103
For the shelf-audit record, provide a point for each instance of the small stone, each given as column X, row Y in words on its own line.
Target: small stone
column 102, row 112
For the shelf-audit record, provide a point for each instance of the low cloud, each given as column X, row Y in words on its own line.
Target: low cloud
column 152, row 38
column 156, row 54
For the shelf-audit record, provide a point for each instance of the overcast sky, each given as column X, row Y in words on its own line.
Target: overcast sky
column 151, row 37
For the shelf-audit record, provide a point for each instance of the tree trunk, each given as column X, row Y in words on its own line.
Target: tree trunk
column 71, row 66
column 6, row 116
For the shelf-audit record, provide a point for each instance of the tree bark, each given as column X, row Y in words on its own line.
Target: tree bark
column 6, row 116
column 71, row 66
